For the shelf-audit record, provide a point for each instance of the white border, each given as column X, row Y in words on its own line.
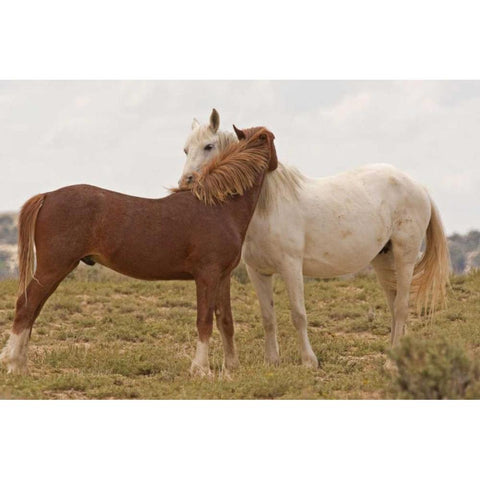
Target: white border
column 238, row 440
column 242, row 40
column 245, row 39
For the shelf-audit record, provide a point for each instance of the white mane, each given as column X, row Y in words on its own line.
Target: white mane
column 285, row 181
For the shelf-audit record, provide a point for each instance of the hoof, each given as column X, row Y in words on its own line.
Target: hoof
column 310, row 362
column 15, row 367
column 198, row 370
column 272, row 360
column 227, row 368
column 226, row 375
column 231, row 364
column 14, row 354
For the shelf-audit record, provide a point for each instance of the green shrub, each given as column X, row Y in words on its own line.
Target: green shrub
column 434, row 369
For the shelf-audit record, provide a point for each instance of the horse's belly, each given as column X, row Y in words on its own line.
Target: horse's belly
column 145, row 269
column 326, row 264
column 343, row 252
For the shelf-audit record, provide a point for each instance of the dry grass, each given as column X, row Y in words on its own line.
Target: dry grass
column 106, row 336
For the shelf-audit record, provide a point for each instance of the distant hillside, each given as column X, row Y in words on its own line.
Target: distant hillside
column 8, row 245
column 8, row 229
column 464, row 249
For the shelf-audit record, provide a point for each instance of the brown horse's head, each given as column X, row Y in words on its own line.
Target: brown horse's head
column 260, row 136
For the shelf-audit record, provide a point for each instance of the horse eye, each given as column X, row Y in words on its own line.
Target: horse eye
column 209, row 146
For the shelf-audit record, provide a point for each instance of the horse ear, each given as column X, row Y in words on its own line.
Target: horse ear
column 240, row 133
column 214, row 121
column 195, row 124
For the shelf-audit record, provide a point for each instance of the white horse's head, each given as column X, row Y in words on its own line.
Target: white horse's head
column 203, row 143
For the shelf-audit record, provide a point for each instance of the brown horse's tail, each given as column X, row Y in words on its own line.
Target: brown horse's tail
column 26, row 240
column 430, row 277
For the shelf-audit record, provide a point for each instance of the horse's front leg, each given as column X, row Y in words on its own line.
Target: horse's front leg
column 206, row 295
column 292, row 273
column 223, row 314
column 264, row 288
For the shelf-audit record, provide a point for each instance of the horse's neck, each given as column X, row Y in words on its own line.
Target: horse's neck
column 283, row 184
column 243, row 206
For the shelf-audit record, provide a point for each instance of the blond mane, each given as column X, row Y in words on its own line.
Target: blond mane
column 232, row 172
column 285, row 181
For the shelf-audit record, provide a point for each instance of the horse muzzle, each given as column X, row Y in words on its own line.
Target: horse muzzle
column 186, row 181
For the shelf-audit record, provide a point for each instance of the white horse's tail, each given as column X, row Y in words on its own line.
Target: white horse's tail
column 430, row 277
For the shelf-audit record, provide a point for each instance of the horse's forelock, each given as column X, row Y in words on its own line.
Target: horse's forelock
column 203, row 133
column 199, row 134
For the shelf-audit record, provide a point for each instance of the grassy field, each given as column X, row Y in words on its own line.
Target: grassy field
column 102, row 335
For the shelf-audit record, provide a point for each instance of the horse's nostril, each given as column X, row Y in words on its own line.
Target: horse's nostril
column 190, row 179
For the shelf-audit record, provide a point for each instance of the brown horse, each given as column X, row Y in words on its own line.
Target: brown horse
column 183, row 236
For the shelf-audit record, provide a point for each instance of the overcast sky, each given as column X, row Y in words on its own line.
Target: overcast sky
column 129, row 135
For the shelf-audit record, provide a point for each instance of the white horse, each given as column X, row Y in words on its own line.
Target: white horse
column 325, row 227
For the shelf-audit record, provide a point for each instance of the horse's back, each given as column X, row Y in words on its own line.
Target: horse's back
column 377, row 188
column 379, row 180
column 406, row 198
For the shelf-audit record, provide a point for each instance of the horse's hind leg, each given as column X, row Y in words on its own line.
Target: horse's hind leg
column 292, row 274
column 27, row 309
column 404, row 271
column 406, row 248
column 384, row 266
column 264, row 288
column 223, row 314
column 394, row 271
